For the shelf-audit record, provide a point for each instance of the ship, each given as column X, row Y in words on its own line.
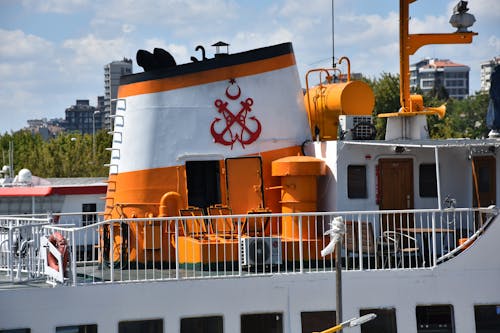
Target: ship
column 237, row 201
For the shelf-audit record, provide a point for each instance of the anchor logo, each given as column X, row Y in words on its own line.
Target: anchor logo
column 236, row 128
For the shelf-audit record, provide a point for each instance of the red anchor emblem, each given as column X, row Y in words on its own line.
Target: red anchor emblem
column 242, row 133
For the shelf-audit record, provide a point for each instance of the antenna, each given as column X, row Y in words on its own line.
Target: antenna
column 11, row 158
column 333, row 34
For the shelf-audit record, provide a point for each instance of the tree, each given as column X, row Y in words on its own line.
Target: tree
column 464, row 119
column 386, row 90
column 66, row 155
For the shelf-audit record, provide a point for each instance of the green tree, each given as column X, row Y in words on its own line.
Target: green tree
column 66, row 155
column 386, row 90
column 464, row 119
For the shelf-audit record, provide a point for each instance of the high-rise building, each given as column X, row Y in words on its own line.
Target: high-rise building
column 112, row 73
column 433, row 74
column 487, row 68
column 83, row 117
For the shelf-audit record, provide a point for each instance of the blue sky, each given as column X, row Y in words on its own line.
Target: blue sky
column 52, row 52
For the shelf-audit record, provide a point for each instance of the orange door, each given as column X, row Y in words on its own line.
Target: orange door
column 244, row 184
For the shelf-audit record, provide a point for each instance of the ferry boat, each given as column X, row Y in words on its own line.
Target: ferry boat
column 227, row 186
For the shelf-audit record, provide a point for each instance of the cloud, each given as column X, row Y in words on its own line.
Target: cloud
column 168, row 13
column 494, row 42
column 127, row 28
column 17, row 45
column 430, row 24
column 485, row 9
column 90, row 50
column 56, row 6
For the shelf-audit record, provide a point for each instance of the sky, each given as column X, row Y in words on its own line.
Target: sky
column 53, row 52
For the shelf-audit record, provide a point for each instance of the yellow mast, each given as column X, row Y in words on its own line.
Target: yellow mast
column 409, row 44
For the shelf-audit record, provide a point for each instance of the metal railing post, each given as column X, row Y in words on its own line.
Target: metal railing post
column 434, row 247
column 10, row 244
column 176, row 236
column 360, row 243
column 73, row 257
column 240, row 269
column 112, row 251
column 301, row 248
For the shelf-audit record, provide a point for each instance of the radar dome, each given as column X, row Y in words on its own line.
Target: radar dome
column 24, row 176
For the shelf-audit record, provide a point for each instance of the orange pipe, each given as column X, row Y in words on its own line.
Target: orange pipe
column 170, row 203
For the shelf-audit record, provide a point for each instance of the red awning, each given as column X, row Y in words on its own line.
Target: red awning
column 43, row 191
column 28, row 191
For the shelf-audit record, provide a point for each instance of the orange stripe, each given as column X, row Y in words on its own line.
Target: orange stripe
column 213, row 75
column 141, row 188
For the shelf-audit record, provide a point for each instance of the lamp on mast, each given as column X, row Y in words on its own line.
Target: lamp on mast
column 409, row 44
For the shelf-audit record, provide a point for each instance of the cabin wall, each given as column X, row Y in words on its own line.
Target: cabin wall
column 456, row 176
column 30, row 205
column 73, row 203
column 455, row 173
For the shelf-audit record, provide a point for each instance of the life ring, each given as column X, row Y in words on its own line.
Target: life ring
column 61, row 244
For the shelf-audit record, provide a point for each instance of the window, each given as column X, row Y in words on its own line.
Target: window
column 143, row 326
column 89, row 218
column 385, row 321
column 427, row 180
column 356, row 182
column 317, row 321
column 487, row 318
column 77, row 329
column 202, row 325
column 262, row 323
column 203, row 183
column 435, row 319
column 17, row 330
column 484, row 179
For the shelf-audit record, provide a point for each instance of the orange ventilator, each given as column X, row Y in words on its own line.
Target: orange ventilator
column 298, row 193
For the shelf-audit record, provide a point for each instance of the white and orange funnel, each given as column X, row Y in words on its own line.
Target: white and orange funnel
column 242, row 104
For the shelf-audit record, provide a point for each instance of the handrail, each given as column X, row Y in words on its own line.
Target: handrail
column 467, row 243
column 129, row 257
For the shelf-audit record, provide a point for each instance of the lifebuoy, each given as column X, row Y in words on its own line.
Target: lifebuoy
column 61, row 244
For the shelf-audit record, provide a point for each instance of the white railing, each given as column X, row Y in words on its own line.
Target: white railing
column 19, row 247
column 130, row 250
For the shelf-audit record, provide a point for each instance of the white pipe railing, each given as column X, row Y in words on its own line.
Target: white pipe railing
column 19, row 244
column 172, row 248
